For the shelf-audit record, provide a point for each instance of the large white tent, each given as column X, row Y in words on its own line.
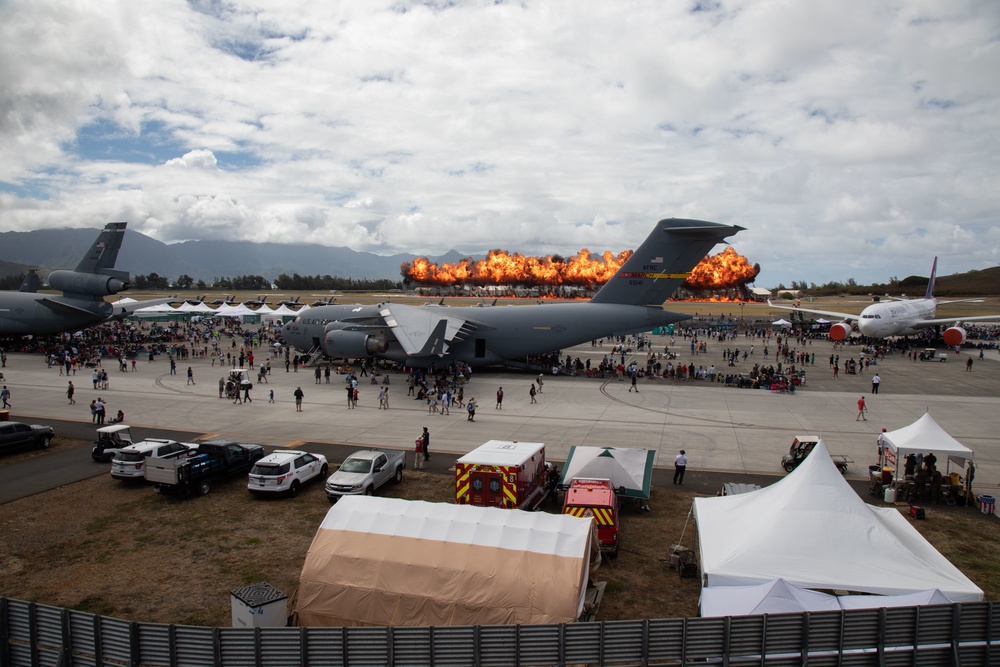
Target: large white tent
column 923, row 437
column 630, row 470
column 387, row 561
column 780, row 597
column 814, row 531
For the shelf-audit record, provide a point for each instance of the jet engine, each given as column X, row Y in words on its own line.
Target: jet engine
column 340, row 344
column 953, row 336
column 840, row 330
column 93, row 284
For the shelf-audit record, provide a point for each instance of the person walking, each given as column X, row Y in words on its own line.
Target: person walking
column 532, row 392
column 968, row 364
column 270, row 397
column 876, row 381
column 634, row 387
column 5, row 396
column 190, row 375
column 862, row 408
column 425, row 439
column 70, row 390
column 350, row 396
column 471, row 407
column 540, row 383
column 680, row 465
column 381, row 398
column 298, row 399
column 500, row 399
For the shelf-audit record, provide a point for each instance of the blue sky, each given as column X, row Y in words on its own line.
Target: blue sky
column 853, row 139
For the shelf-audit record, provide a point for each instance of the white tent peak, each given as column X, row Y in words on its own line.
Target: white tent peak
column 926, row 435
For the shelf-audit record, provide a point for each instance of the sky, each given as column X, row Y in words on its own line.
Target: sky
column 852, row 139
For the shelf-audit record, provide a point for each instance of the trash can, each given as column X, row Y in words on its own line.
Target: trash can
column 987, row 504
column 259, row 606
column 4, row 415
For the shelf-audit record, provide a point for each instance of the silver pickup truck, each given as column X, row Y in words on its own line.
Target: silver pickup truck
column 364, row 471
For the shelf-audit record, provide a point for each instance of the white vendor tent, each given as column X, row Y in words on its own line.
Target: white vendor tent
column 388, row 562
column 239, row 310
column 630, row 470
column 772, row 597
column 199, row 308
column 781, row 323
column 780, row 597
column 923, row 437
column 812, row 530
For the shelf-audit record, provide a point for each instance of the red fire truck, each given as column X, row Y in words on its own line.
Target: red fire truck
column 595, row 498
column 502, row 473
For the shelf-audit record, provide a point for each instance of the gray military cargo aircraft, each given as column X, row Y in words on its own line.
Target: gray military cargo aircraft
column 83, row 290
column 434, row 334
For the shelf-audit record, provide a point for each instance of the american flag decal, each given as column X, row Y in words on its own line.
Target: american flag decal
column 100, row 245
column 656, row 260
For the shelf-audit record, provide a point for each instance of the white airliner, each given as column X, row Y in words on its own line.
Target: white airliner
column 899, row 318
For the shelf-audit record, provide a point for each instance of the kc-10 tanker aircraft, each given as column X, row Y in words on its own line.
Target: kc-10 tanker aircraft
column 83, row 290
column 434, row 334
column 899, row 317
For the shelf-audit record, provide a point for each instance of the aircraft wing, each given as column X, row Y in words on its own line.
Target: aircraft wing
column 60, row 307
column 851, row 317
column 424, row 331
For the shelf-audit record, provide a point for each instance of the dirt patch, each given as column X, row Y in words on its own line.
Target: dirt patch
column 119, row 549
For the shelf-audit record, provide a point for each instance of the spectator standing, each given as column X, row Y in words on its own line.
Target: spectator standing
column 680, row 465
column 425, row 440
column 190, row 376
column 70, row 390
column 500, row 399
column 876, row 381
column 472, row 409
column 298, row 399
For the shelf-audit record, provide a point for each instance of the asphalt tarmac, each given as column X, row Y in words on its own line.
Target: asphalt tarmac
column 729, row 434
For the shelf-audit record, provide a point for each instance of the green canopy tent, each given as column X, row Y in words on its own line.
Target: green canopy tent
column 630, row 470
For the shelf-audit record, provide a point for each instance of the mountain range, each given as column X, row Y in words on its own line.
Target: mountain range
column 202, row 260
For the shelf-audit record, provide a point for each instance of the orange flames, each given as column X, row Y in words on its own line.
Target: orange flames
column 727, row 269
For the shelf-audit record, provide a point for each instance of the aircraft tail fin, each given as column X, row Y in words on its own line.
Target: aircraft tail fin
column 104, row 252
column 929, row 294
column 663, row 261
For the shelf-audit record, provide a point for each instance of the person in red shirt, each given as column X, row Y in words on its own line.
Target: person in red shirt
column 862, row 408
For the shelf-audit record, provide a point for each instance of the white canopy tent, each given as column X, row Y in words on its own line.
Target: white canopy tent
column 813, row 530
column 780, row 597
column 240, row 310
column 630, row 470
column 781, row 323
column 923, row 437
column 199, row 308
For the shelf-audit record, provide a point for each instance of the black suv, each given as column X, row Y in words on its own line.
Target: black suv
column 15, row 435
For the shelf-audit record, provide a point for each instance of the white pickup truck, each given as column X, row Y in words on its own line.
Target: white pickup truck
column 364, row 471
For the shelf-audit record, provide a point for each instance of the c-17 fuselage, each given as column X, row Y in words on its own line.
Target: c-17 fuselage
column 423, row 335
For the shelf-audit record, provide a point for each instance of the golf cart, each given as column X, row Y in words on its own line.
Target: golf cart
column 110, row 440
column 802, row 445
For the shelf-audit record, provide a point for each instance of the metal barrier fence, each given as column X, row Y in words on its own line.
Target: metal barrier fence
column 33, row 635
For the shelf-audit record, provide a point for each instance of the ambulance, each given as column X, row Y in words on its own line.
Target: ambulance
column 502, row 473
column 595, row 499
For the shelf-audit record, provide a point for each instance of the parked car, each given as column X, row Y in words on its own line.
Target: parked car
column 364, row 471
column 130, row 462
column 197, row 470
column 15, row 435
column 285, row 472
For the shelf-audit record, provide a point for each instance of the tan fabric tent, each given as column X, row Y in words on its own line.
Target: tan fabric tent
column 387, row 562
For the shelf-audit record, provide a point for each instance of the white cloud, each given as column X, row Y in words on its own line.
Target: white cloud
column 846, row 137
